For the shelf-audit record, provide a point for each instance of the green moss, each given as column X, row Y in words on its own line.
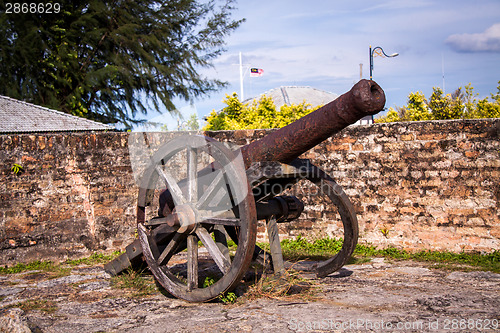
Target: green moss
column 38, row 265
column 60, row 269
column 94, row 259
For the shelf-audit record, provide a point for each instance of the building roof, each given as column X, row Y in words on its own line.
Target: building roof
column 295, row 95
column 22, row 117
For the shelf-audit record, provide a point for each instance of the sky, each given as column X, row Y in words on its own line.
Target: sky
column 321, row 44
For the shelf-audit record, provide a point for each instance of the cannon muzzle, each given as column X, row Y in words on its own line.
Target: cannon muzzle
column 286, row 144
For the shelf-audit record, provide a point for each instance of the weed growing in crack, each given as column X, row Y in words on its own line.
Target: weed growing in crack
column 136, row 282
column 46, row 306
column 226, row 298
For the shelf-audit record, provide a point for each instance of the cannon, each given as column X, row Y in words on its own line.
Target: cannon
column 204, row 221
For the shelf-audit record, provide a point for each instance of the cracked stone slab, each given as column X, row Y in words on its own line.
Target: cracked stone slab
column 392, row 292
column 64, row 280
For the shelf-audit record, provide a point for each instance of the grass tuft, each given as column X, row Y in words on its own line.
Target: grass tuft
column 138, row 283
column 279, row 286
column 226, row 298
column 36, row 304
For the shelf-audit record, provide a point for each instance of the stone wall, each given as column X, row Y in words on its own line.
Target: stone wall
column 76, row 195
column 418, row 185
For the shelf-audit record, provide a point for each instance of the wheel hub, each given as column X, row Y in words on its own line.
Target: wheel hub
column 186, row 218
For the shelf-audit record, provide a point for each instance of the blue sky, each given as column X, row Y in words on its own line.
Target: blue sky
column 322, row 44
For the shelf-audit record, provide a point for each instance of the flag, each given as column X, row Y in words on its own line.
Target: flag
column 256, row 72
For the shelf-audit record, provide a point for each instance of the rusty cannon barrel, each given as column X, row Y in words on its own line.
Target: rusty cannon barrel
column 287, row 143
column 284, row 145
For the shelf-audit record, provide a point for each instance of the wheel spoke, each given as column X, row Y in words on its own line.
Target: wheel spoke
column 222, row 221
column 192, row 169
column 222, row 262
column 226, row 218
column 168, row 252
column 192, row 264
column 221, row 241
column 172, row 185
column 210, row 191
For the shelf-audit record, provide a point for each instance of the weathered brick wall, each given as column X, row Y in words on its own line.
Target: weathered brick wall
column 422, row 185
column 76, row 195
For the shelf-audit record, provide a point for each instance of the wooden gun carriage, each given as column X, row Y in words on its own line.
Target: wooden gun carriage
column 224, row 192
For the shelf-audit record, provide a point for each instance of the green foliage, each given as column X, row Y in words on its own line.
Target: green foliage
column 487, row 262
column 58, row 269
column 300, row 248
column 260, row 114
column 226, row 298
column 417, row 108
column 461, row 104
column 94, row 259
column 38, row 265
column 17, row 169
column 191, row 124
column 208, row 282
column 391, row 116
column 109, row 60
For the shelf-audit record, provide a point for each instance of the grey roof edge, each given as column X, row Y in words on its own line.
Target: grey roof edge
column 35, row 132
column 93, row 125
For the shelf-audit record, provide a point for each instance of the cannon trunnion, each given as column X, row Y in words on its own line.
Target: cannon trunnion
column 203, row 226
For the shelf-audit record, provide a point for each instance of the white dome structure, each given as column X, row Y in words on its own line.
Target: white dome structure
column 288, row 95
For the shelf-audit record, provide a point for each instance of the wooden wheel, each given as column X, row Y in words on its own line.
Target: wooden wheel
column 326, row 188
column 188, row 244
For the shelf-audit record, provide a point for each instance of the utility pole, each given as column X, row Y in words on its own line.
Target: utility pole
column 442, row 69
column 242, row 97
column 360, row 72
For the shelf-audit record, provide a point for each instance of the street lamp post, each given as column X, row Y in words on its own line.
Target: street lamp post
column 381, row 54
column 372, row 52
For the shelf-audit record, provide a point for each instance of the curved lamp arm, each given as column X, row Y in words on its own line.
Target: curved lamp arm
column 372, row 51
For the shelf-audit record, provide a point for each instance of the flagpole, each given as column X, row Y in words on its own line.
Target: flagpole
column 241, row 80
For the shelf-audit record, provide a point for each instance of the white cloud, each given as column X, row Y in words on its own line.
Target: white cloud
column 399, row 4
column 486, row 41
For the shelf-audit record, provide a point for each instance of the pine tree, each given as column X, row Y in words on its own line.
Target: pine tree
column 112, row 60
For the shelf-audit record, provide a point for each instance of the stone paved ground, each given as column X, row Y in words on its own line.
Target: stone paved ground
column 379, row 296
